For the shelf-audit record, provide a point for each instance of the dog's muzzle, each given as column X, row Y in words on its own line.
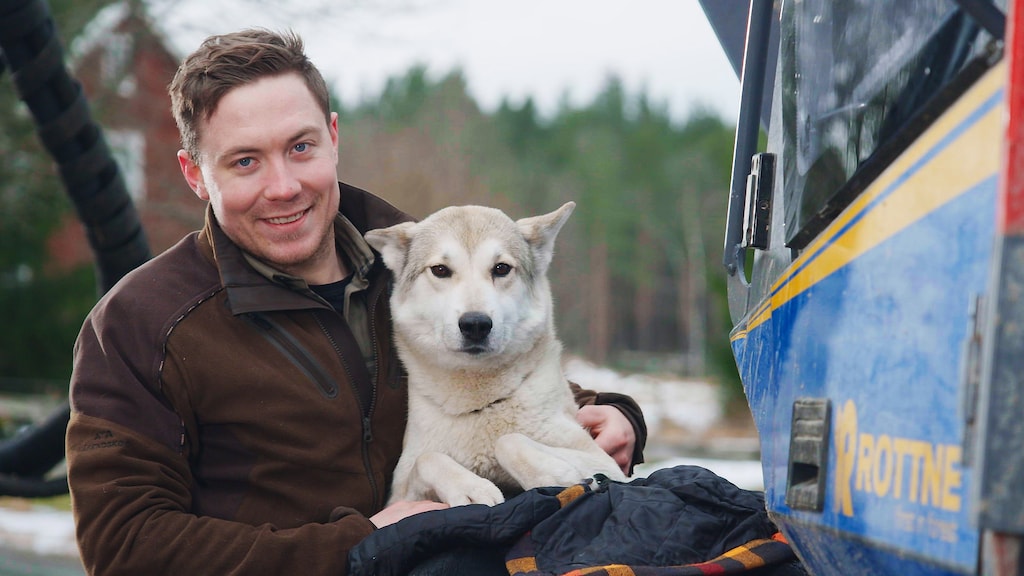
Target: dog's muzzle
column 475, row 327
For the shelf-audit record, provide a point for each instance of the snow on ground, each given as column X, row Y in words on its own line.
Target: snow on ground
column 689, row 405
column 41, row 530
column 746, row 474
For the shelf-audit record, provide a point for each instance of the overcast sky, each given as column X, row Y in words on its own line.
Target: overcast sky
column 545, row 48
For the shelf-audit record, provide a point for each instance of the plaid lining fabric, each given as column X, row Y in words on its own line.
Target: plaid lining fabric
column 521, row 559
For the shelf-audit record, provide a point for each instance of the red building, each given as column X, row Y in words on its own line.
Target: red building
column 125, row 66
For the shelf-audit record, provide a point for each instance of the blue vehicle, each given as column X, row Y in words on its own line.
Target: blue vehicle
column 875, row 259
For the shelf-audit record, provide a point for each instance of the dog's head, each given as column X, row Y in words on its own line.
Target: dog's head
column 470, row 283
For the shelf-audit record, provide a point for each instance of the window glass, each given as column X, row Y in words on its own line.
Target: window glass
column 860, row 79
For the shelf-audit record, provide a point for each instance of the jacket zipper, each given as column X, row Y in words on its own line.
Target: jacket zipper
column 377, row 380
column 299, row 356
column 377, row 366
column 365, row 411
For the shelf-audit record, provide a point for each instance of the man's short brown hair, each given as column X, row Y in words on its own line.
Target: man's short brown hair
column 227, row 61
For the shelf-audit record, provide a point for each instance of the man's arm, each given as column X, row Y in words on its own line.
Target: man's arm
column 131, row 500
column 616, row 422
column 612, row 431
column 132, row 486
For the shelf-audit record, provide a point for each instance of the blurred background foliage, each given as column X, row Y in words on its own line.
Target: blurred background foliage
column 637, row 275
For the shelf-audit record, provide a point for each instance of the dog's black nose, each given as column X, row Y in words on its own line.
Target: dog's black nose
column 475, row 326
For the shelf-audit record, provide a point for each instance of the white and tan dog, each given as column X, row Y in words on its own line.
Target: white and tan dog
column 490, row 411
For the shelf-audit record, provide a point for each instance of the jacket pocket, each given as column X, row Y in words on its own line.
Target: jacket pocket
column 295, row 352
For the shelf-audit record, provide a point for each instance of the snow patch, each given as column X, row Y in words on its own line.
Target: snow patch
column 40, row 529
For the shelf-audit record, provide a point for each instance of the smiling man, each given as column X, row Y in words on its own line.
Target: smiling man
column 272, row 186
column 237, row 404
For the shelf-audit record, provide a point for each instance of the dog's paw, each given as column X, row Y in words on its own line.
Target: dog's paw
column 475, row 491
column 439, row 474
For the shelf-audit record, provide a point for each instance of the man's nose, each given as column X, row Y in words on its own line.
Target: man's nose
column 282, row 180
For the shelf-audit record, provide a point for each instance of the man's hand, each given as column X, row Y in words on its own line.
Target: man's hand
column 612, row 431
column 403, row 509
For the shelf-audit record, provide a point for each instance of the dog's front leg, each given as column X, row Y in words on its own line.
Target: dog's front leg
column 439, row 475
column 533, row 464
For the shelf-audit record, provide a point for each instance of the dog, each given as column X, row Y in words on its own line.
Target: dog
column 490, row 411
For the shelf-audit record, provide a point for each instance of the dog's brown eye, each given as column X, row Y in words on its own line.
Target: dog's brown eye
column 440, row 270
column 501, row 269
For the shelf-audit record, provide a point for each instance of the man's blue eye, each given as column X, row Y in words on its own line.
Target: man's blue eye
column 245, row 162
column 301, row 147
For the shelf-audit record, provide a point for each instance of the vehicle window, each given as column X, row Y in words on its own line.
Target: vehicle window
column 860, row 81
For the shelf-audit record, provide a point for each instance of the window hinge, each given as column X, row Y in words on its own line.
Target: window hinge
column 757, row 213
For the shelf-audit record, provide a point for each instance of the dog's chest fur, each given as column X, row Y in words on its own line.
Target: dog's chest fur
column 469, row 436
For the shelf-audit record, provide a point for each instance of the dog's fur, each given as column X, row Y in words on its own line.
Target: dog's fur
column 490, row 411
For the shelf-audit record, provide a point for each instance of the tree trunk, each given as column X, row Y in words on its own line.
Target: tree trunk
column 645, row 337
column 693, row 285
column 600, row 301
column 698, row 293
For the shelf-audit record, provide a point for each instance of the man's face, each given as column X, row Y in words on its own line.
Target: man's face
column 267, row 165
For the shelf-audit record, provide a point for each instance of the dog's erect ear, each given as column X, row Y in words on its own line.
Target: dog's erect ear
column 392, row 244
column 540, row 232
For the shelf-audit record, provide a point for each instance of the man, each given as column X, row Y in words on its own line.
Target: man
column 237, row 405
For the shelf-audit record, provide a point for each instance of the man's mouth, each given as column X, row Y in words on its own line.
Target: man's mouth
column 287, row 219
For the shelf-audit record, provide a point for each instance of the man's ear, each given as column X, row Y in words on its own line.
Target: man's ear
column 332, row 129
column 540, row 233
column 392, row 243
column 193, row 175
